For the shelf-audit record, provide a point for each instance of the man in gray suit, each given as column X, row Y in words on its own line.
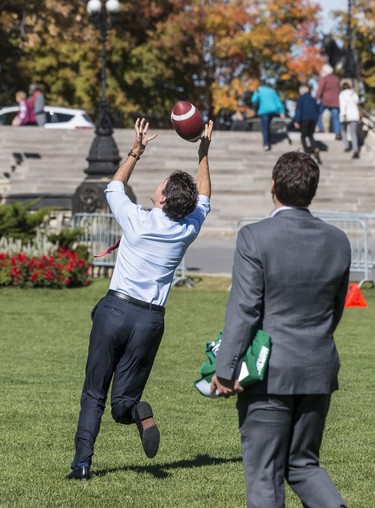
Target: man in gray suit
column 290, row 278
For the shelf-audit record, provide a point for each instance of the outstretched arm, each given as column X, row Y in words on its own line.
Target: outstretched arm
column 203, row 173
column 141, row 139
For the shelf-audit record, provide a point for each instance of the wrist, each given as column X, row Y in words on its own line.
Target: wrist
column 136, row 152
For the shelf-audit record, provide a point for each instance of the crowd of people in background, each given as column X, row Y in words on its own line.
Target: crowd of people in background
column 332, row 94
column 30, row 108
column 338, row 97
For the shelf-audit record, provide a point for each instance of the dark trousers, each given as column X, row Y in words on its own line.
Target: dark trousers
column 124, row 341
column 266, row 128
column 307, row 131
column 281, row 438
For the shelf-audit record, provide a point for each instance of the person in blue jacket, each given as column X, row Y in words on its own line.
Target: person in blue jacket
column 267, row 104
column 305, row 118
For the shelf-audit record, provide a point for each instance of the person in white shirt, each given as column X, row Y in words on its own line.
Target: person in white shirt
column 349, row 118
column 128, row 323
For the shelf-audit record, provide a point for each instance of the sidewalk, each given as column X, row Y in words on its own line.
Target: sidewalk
column 211, row 255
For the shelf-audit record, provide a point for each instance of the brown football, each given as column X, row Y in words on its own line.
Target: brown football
column 187, row 121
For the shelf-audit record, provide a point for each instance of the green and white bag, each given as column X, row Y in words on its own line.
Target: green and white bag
column 253, row 366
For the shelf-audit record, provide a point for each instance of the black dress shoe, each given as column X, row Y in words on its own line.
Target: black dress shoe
column 355, row 155
column 148, row 430
column 79, row 473
column 317, row 156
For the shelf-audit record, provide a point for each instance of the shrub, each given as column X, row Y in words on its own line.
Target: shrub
column 62, row 268
column 17, row 220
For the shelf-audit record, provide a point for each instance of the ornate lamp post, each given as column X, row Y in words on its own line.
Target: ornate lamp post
column 351, row 71
column 104, row 155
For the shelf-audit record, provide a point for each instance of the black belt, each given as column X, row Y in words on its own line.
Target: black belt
column 141, row 303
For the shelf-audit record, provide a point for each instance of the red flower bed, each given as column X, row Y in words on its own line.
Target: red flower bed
column 60, row 269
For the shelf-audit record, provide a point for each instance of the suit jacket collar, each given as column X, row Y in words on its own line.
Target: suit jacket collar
column 292, row 212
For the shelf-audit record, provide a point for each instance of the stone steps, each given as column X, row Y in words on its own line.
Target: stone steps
column 53, row 162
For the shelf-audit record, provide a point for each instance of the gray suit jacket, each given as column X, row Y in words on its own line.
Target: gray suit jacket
column 290, row 278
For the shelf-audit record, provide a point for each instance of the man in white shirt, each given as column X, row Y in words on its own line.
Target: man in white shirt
column 128, row 323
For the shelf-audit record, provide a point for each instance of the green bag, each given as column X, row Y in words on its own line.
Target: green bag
column 253, row 367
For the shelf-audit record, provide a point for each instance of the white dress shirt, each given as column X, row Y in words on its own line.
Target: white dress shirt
column 152, row 245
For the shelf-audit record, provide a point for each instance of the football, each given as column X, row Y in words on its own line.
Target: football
column 187, row 121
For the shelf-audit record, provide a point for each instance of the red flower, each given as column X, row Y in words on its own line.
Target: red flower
column 57, row 270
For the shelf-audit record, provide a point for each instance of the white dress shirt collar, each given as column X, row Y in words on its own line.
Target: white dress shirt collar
column 277, row 210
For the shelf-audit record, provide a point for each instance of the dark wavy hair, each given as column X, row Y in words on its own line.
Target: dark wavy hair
column 182, row 195
column 296, row 177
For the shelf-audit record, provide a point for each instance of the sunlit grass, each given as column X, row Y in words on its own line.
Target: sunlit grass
column 44, row 338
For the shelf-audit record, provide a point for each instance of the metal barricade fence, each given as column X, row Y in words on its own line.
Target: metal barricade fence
column 100, row 230
column 360, row 230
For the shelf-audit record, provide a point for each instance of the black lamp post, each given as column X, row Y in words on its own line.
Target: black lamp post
column 104, row 155
column 350, row 71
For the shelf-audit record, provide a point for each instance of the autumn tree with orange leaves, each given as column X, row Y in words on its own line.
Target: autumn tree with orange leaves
column 254, row 39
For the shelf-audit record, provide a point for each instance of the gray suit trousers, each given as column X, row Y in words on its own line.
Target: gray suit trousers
column 281, row 437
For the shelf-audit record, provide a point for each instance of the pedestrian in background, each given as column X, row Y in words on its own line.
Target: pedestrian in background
column 290, row 279
column 25, row 114
column 349, row 118
column 328, row 96
column 305, row 118
column 267, row 104
column 37, row 100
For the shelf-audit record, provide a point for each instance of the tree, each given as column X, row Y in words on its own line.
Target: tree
column 255, row 39
column 362, row 41
column 207, row 51
column 52, row 42
column 46, row 42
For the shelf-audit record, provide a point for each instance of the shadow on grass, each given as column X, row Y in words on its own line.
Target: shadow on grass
column 162, row 471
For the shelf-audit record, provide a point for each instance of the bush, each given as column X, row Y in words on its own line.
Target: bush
column 17, row 220
column 67, row 239
column 62, row 268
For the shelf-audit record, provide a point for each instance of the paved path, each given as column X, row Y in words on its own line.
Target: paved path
column 211, row 255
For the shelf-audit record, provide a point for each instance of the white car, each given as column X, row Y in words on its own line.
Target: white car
column 56, row 117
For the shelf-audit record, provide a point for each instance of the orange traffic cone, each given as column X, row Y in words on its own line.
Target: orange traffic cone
column 354, row 297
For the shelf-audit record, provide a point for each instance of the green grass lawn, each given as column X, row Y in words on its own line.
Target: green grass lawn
column 44, row 338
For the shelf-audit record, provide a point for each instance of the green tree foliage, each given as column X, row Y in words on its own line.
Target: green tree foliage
column 209, row 52
column 362, row 26
column 18, row 221
column 68, row 239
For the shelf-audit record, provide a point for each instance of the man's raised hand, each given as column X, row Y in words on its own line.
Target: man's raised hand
column 205, row 139
column 141, row 138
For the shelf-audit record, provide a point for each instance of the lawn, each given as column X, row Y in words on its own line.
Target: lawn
column 44, row 337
